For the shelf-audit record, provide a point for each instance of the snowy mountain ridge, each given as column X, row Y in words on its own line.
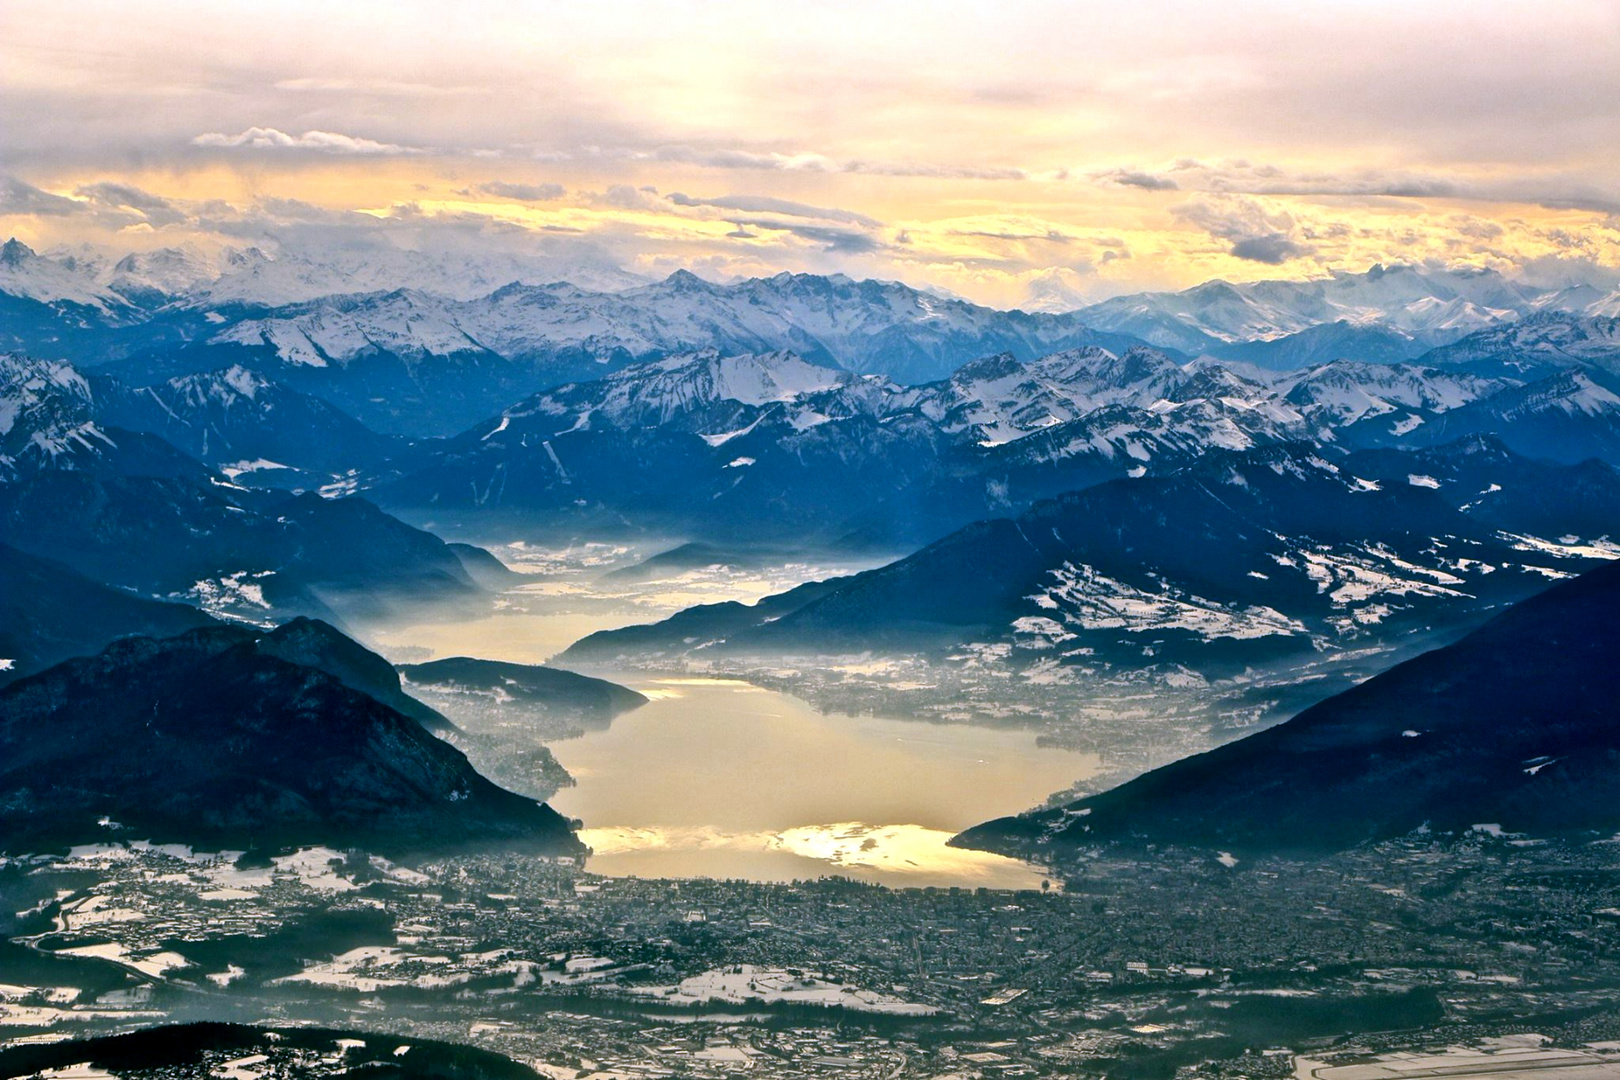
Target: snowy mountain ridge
column 45, row 414
column 867, row 326
column 1429, row 307
column 771, row 442
column 28, row 275
column 269, row 276
column 999, row 399
column 828, row 316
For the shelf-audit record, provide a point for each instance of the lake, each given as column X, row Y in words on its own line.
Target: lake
column 719, row 778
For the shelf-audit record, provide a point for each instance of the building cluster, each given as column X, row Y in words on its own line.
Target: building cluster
column 1136, row 967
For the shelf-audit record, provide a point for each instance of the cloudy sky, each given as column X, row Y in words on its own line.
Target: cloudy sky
column 975, row 147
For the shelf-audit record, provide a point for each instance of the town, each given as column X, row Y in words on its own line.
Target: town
column 1148, row 967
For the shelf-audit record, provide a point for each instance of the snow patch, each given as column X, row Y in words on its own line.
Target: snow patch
column 1087, row 599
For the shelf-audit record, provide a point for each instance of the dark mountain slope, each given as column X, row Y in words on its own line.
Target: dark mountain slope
column 1490, row 483
column 692, row 627
column 236, row 419
column 312, row 643
column 485, row 569
column 49, row 612
column 248, row 553
column 527, row 684
column 1240, row 558
column 1515, row 725
column 693, row 555
column 131, row 510
column 208, row 739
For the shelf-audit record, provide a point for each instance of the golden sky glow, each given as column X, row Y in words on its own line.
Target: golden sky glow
column 973, row 147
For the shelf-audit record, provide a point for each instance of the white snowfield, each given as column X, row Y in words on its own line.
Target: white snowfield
column 238, row 596
column 1080, row 597
column 746, row 984
column 374, row 967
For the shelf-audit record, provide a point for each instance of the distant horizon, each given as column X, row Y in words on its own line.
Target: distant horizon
column 1534, row 277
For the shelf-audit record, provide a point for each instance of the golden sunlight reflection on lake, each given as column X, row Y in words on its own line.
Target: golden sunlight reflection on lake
column 723, row 779
column 719, row 778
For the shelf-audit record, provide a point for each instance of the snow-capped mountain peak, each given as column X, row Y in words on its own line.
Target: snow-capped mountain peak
column 1346, row 391
column 46, row 416
column 40, row 395
column 160, row 275
column 26, row 274
column 1432, row 307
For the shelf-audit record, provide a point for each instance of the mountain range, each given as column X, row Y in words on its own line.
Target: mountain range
column 1399, row 312
column 1243, row 558
column 1539, row 345
column 237, row 421
column 126, row 284
column 129, row 509
column 748, row 447
column 449, row 347
column 1511, row 729
column 1365, row 464
column 158, row 474
column 234, row 551
column 763, row 446
column 426, row 363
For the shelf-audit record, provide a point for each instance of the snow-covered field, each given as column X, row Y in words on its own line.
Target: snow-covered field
column 1080, row 596
column 746, row 984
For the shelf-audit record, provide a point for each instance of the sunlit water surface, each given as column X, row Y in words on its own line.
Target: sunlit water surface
column 723, row 779
column 720, row 778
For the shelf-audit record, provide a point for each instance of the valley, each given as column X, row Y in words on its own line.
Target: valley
column 723, row 778
column 753, row 767
column 800, row 675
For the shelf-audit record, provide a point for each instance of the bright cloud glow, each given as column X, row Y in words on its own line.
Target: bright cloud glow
column 976, row 148
column 326, row 142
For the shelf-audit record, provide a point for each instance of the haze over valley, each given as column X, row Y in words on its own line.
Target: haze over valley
column 648, row 540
